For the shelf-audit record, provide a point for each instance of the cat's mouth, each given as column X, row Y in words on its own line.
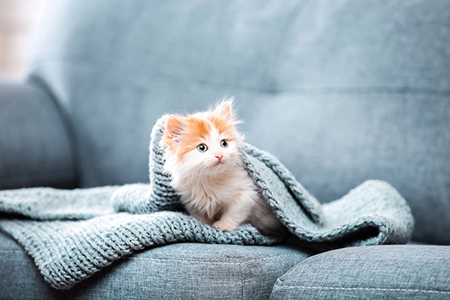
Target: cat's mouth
column 218, row 164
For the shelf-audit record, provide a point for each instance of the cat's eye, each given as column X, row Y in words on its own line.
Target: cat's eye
column 224, row 143
column 202, row 148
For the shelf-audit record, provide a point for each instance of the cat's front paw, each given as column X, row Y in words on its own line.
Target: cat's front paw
column 224, row 226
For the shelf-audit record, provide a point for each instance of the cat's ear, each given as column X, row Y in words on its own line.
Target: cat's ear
column 174, row 126
column 225, row 109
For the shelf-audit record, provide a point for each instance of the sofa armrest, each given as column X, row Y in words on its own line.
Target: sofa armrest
column 35, row 147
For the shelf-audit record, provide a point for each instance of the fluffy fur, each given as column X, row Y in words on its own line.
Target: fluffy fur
column 209, row 174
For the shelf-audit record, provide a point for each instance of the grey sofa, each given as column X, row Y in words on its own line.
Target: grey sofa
column 339, row 91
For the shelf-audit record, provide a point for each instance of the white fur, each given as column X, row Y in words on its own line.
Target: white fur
column 220, row 194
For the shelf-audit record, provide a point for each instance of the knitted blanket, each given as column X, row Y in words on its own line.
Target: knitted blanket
column 73, row 234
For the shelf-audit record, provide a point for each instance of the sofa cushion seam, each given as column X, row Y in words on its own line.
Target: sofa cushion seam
column 182, row 260
column 371, row 90
column 242, row 280
column 208, row 262
column 362, row 289
column 34, row 176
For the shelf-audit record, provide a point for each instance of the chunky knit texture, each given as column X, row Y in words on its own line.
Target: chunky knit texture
column 74, row 234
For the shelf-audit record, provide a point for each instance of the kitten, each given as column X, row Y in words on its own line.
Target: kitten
column 202, row 155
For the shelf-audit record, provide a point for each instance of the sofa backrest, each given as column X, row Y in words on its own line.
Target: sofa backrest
column 339, row 91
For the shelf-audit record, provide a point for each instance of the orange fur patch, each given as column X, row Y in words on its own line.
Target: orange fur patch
column 194, row 131
column 224, row 126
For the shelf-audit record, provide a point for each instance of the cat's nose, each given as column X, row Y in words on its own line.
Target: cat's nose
column 218, row 156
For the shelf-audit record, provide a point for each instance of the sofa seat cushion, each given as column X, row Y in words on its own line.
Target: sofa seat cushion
column 375, row 272
column 176, row 271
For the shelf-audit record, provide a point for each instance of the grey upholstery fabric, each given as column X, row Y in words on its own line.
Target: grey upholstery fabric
column 178, row 271
column 340, row 91
column 377, row 272
column 335, row 141
column 359, row 46
column 35, row 147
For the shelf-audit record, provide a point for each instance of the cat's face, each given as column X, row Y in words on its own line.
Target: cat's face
column 207, row 143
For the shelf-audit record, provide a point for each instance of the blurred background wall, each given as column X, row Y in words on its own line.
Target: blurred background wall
column 17, row 19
